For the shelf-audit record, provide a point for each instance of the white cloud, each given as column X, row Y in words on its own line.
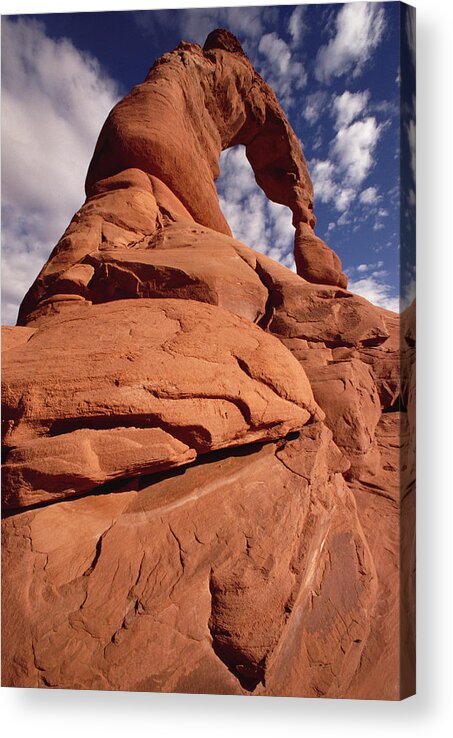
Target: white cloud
column 348, row 106
column 362, row 268
column 244, row 22
column 344, row 219
column 280, row 69
column 354, row 147
column 323, row 178
column 358, row 30
column 376, row 291
column 264, row 225
column 327, row 185
column 380, row 215
column 296, row 25
column 314, row 106
column 276, row 51
column 369, row 196
column 54, row 101
column 343, row 198
column 338, row 179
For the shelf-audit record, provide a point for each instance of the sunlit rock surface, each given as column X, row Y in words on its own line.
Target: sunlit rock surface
column 203, row 479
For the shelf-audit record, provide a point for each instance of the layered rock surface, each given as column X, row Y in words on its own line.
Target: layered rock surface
column 76, row 418
column 193, row 582
column 202, row 470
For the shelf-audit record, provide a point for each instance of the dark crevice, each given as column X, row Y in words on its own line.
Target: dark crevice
column 294, row 435
column 324, row 342
column 125, row 484
column 5, row 453
column 97, row 554
column 397, row 407
column 248, row 675
column 194, row 435
column 265, row 321
column 373, row 342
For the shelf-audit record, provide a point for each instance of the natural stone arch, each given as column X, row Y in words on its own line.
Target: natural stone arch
column 157, row 158
column 194, row 104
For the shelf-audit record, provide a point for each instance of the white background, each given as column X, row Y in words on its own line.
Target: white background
column 55, row 713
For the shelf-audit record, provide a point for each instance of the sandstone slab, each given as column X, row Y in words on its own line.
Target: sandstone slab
column 217, row 580
column 346, row 392
column 162, row 371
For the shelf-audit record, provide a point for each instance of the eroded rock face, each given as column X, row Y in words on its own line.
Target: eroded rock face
column 347, row 391
column 77, row 418
column 219, row 579
column 202, row 469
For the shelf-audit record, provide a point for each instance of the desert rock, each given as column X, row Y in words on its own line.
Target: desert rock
column 163, row 375
column 133, row 184
column 216, row 580
column 203, row 483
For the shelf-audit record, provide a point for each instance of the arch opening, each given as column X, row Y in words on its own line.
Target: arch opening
column 255, row 220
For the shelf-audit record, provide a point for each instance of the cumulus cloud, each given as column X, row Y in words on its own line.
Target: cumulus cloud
column 323, row 177
column 314, row 106
column 327, row 186
column 54, row 99
column 264, row 225
column 369, row 196
column 296, row 25
column 348, row 106
column 279, row 67
column 376, row 291
column 369, row 268
column 338, row 179
column 343, row 198
column 358, row 31
column 354, row 147
column 381, row 213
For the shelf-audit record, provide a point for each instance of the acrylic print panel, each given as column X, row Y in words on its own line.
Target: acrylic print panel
column 209, row 381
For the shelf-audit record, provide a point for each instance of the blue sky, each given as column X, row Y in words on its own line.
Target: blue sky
column 335, row 69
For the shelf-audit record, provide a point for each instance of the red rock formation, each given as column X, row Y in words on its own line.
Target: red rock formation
column 174, row 176
column 202, row 492
column 77, row 418
column 218, row 580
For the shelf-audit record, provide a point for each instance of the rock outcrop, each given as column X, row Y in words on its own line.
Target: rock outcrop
column 164, row 393
column 202, row 483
